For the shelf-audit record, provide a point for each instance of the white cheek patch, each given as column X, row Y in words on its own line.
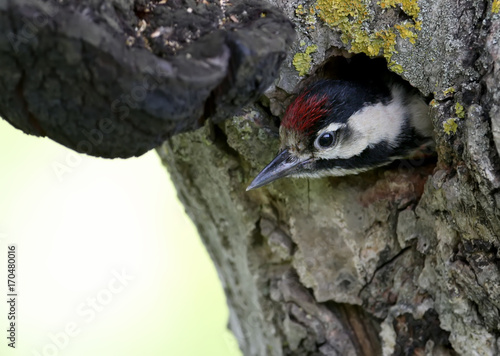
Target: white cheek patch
column 334, row 126
column 368, row 127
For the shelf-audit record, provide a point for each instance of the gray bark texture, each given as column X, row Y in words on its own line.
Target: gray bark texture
column 402, row 260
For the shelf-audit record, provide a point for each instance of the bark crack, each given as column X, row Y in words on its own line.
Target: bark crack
column 383, row 265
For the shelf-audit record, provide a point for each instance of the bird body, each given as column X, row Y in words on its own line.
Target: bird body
column 337, row 128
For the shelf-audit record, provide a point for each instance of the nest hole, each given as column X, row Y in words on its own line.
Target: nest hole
column 342, row 65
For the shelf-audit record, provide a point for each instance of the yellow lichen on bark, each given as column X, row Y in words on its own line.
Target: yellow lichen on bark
column 459, row 110
column 495, row 7
column 302, row 61
column 352, row 17
column 450, row 126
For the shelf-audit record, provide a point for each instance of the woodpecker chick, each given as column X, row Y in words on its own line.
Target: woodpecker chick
column 337, row 128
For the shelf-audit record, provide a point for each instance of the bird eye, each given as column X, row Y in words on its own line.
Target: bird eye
column 326, row 140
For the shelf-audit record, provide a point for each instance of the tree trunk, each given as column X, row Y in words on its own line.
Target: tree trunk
column 402, row 260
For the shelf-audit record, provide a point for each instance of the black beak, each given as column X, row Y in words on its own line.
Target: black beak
column 283, row 165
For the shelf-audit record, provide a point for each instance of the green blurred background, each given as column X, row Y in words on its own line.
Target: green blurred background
column 78, row 223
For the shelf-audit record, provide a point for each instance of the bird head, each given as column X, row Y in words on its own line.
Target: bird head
column 336, row 128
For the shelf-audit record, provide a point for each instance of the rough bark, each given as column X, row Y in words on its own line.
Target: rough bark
column 403, row 260
column 116, row 78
